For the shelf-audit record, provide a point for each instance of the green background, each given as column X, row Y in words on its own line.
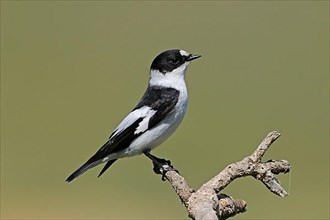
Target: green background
column 71, row 70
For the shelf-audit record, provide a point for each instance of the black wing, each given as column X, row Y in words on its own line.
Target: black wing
column 161, row 100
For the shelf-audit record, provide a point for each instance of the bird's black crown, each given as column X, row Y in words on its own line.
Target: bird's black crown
column 168, row 60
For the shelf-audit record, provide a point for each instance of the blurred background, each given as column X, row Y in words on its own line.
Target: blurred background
column 71, row 70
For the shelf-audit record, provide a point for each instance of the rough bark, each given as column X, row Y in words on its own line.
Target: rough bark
column 207, row 203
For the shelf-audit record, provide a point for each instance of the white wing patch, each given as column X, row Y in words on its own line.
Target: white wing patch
column 143, row 112
column 143, row 125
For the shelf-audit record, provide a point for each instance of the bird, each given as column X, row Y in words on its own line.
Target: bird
column 156, row 116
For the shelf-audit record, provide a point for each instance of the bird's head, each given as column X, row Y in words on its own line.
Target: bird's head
column 168, row 69
column 171, row 60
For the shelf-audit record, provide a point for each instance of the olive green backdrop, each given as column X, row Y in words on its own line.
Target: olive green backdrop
column 71, row 70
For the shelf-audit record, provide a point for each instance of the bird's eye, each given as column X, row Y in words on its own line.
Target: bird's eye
column 175, row 60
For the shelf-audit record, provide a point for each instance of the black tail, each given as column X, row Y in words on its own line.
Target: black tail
column 86, row 167
column 107, row 165
column 96, row 159
column 81, row 170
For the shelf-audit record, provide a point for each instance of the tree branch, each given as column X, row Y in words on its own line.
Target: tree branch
column 206, row 203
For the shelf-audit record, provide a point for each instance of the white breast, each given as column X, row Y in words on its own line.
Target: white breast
column 154, row 137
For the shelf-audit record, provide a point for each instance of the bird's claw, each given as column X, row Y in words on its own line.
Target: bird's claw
column 162, row 167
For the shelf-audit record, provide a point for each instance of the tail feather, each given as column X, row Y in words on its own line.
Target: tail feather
column 107, row 165
column 81, row 170
column 96, row 159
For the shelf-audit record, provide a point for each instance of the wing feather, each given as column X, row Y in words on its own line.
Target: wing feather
column 153, row 107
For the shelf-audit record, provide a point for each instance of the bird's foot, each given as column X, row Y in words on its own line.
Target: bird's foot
column 161, row 166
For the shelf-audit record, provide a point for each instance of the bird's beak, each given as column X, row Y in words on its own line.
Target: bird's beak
column 193, row 56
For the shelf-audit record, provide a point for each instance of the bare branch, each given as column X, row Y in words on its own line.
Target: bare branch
column 264, row 145
column 180, row 186
column 205, row 203
column 265, row 173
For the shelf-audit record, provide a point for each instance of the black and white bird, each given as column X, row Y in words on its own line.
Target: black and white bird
column 154, row 119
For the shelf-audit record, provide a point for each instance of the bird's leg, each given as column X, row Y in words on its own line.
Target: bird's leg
column 161, row 166
column 156, row 160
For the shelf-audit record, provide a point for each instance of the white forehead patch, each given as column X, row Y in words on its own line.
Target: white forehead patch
column 184, row 53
